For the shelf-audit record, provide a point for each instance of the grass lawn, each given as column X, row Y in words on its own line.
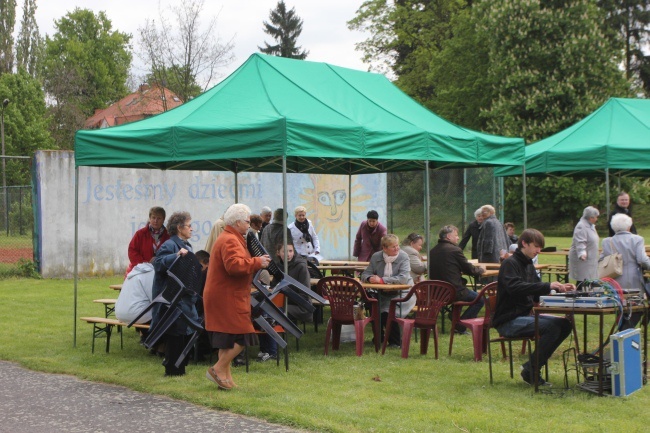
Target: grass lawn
column 337, row 393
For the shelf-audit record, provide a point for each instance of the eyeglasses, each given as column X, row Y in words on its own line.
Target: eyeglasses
column 247, row 221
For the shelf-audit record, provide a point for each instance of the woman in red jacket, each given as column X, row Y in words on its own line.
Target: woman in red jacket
column 226, row 297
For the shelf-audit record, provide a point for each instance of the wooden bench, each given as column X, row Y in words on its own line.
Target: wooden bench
column 104, row 325
column 560, row 271
column 109, row 305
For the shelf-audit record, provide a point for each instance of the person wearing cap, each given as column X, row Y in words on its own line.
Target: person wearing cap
column 368, row 240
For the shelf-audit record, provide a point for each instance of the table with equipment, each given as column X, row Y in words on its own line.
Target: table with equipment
column 587, row 306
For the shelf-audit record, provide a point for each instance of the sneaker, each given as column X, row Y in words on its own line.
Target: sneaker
column 239, row 361
column 528, row 378
column 463, row 332
column 266, row 357
column 260, row 354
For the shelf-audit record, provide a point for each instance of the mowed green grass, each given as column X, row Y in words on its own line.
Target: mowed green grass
column 337, row 393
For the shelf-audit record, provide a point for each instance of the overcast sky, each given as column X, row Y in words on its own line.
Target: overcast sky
column 325, row 33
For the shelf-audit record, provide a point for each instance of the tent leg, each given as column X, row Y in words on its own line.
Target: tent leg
column 607, row 191
column 284, row 219
column 76, row 255
column 427, row 216
column 525, row 203
column 349, row 215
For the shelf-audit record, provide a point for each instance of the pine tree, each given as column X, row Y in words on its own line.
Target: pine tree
column 285, row 28
column 7, row 23
column 30, row 44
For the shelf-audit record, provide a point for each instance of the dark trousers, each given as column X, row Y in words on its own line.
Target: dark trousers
column 552, row 332
column 174, row 345
column 472, row 311
column 394, row 337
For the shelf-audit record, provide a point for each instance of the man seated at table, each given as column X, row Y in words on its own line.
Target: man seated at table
column 447, row 263
column 518, row 288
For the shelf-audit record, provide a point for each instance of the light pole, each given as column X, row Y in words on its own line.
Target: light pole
column 4, row 168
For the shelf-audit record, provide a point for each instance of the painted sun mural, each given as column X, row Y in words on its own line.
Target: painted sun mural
column 327, row 207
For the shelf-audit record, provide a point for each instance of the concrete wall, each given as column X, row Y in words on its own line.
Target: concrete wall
column 114, row 203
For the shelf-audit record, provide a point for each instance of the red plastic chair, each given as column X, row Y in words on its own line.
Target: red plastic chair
column 431, row 297
column 475, row 325
column 343, row 293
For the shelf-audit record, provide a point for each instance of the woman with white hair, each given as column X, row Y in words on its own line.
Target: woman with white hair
column 305, row 239
column 583, row 255
column 493, row 242
column 635, row 259
column 473, row 231
column 227, row 297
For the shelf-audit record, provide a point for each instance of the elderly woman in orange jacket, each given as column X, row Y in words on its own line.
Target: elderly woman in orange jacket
column 227, row 294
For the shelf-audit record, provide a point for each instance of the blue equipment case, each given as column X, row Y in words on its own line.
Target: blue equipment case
column 626, row 358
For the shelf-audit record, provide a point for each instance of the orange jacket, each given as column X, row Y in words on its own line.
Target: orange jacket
column 228, row 285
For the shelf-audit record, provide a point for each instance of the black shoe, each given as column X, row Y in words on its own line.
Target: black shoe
column 528, row 378
column 459, row 332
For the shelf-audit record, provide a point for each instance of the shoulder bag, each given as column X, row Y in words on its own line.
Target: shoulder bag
column 611, row 266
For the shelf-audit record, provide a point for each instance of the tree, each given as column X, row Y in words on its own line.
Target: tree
column 549, row 65
column 7, row 23
column 628, row 24
column 458, row 73
column 186, row 61
column 163, row 74
column 29, row 46
column 405, row 37
column 26, row 122
column 285, row 27
column 85, row 68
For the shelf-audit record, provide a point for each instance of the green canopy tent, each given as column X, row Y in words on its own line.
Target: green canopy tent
column 613, row 139
column 282, row 115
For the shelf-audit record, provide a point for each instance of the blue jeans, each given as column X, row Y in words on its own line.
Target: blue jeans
column 473, row 310
column 268, row 344
column 552, row 332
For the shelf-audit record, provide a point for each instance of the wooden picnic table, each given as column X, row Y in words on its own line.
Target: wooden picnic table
column 115, row 286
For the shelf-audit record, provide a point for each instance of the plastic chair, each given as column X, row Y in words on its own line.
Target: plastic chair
column 343, row 293
column 279, row 301
column 475, row 325
column 490, row 306
column 431, row 297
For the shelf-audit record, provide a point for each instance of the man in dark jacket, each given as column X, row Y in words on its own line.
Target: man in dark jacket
column 473, row 231
column 622, row 206
column 518, row 288
column 447, row 263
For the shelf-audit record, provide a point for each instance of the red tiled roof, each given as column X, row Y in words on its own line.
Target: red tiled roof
column 145, row 102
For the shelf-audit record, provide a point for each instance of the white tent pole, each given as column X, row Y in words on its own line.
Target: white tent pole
column 607, row 191
column 284, row 219
column 349, row 215
column 76, row 254
column 523, row 183
column 427, row 216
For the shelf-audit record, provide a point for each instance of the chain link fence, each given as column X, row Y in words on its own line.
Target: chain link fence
column 16, row 229
column 454, row 195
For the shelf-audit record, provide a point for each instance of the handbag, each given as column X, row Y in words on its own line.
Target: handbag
column 611, row 266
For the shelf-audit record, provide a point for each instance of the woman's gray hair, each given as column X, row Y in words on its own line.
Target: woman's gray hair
column 488, row 210
column 590, row 212
column 621, row 223
column 176, row 220
column 236, row 212
column 478, row 212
